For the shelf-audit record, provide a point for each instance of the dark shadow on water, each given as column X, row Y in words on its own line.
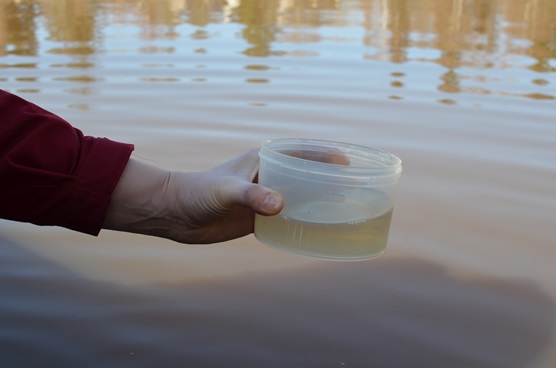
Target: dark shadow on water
column 383, row 313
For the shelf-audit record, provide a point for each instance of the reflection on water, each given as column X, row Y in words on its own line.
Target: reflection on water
column 387, row 315
column 464, row 37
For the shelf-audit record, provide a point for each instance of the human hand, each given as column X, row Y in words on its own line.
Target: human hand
column 191, row 207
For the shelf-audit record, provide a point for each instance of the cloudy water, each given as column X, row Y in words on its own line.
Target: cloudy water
column 464, row 91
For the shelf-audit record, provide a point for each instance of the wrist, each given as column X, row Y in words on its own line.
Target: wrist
column 138, row 201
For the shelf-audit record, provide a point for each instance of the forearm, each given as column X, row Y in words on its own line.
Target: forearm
column 50, row 173
column 138, row 202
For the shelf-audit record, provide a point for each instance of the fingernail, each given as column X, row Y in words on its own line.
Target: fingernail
column 272, row 202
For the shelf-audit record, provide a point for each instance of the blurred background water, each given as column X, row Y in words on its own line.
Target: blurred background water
column 462, row 90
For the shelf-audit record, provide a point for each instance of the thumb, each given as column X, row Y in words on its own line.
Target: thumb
column 262, row 200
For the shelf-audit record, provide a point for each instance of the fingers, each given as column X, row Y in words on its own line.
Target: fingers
column 237, row 185
column 331, row 156
column 245, row 165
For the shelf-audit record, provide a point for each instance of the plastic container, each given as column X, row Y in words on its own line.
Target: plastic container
column 338, row 198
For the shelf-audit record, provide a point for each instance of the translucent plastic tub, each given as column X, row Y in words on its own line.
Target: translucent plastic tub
column 338, row 198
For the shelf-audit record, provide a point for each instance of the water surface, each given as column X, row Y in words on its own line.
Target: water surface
column 462, row 90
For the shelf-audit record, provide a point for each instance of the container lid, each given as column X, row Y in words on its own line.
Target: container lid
column 330, row 158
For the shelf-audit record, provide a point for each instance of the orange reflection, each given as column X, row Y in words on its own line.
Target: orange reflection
column 18, row 27
column 450, row 33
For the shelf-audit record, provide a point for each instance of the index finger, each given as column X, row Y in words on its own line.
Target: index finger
column 335, row 156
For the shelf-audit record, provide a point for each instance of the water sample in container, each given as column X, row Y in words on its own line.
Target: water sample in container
column 338, row 198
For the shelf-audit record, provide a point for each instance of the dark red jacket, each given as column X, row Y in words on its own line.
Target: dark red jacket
column 50, row 173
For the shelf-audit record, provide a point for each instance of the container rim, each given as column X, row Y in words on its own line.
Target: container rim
column 377, row 162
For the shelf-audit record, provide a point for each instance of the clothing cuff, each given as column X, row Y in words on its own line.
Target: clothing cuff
column 101, row 166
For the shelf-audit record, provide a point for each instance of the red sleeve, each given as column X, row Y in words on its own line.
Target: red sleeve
column 50, row 173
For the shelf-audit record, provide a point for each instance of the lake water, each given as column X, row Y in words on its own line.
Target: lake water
column 464, row 91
